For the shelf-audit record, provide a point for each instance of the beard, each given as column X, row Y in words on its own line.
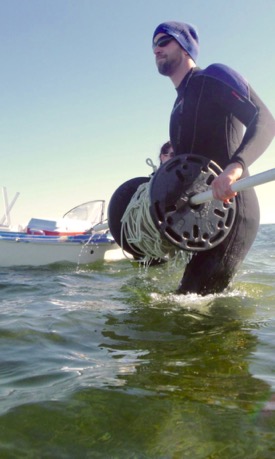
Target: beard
column 165, row 68
column 168, row 65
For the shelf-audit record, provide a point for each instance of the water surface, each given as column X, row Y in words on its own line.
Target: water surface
column 107, row 362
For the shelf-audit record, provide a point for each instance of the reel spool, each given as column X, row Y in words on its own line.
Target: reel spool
column 117, row 206
column 189, row 227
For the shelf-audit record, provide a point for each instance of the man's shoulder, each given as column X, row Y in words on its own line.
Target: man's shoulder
column 226, row 75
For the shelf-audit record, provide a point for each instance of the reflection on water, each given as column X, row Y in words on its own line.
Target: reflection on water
column 109, row 363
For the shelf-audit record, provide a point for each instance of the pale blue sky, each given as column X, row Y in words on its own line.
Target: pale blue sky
column 82, row 104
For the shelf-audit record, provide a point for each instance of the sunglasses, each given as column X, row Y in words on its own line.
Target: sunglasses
column 162, row 41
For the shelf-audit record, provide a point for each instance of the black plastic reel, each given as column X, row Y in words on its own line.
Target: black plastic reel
column 189, row 227
column 117, row 206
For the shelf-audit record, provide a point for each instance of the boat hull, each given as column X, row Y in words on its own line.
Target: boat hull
column 38, row 251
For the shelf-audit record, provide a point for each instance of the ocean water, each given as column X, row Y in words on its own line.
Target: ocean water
column 107, row 362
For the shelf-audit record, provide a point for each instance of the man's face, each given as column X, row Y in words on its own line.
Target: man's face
column 168, row 53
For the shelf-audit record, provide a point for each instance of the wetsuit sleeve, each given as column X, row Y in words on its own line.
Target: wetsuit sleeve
column 259, row 133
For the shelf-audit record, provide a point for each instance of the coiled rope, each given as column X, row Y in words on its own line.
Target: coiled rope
column 138, row 228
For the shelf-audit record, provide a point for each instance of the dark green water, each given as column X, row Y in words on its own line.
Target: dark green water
column 107, row 362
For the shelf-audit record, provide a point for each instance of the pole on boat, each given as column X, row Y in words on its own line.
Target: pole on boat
column 8, row 207
column 240, row 185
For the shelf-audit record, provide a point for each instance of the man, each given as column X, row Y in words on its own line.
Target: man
column 211, row 110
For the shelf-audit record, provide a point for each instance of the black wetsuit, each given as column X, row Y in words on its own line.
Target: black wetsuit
column 212, row 108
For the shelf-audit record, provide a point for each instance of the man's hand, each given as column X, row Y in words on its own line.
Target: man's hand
column 221, row 185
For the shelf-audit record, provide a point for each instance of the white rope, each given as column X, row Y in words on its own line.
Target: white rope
column 138, row 228
column 150, row 163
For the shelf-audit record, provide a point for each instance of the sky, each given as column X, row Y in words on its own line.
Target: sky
column 83, row 105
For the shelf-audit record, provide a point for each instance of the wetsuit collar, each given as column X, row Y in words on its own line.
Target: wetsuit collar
column 184, row 83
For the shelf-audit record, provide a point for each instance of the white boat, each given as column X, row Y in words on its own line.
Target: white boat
column 20, row 249
column 80, row 237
